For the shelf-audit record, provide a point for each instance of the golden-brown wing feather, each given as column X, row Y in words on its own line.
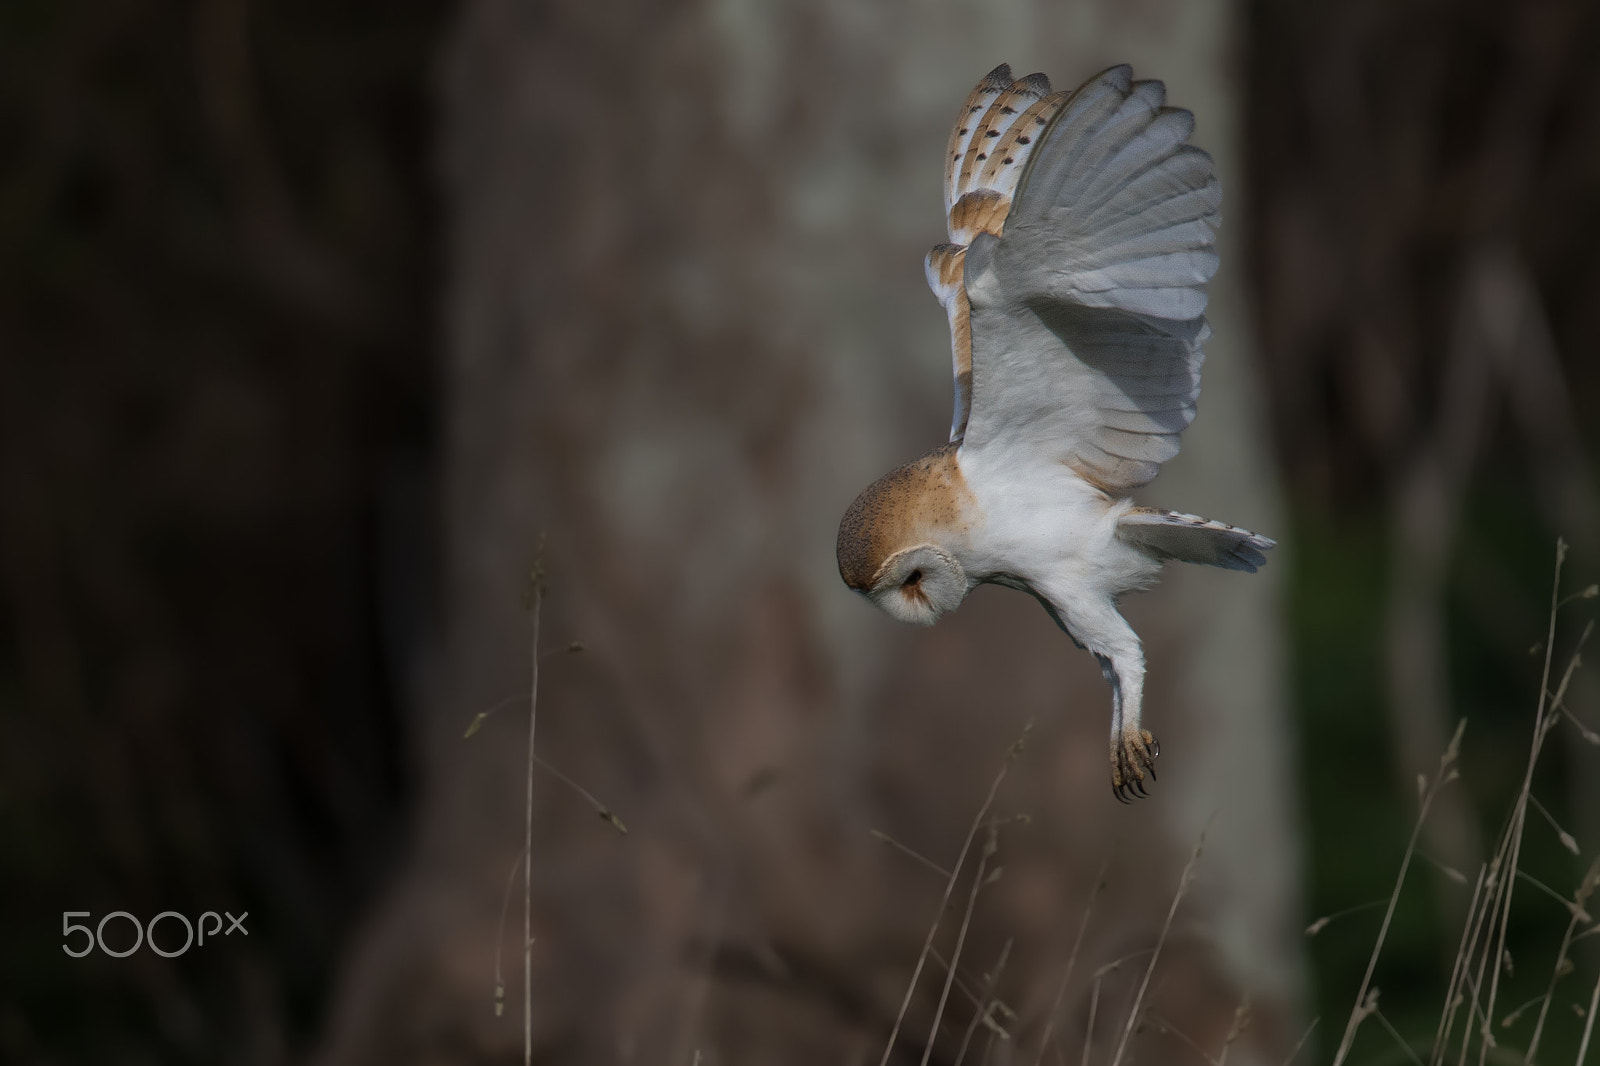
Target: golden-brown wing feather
column 993, row 84
column 989, row 146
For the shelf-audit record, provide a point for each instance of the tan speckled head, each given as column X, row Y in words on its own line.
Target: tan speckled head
column 907, row 520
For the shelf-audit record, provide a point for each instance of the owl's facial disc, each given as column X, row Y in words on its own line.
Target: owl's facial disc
column 919, row 584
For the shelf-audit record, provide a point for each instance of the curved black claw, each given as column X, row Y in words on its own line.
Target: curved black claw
column 1133, row 755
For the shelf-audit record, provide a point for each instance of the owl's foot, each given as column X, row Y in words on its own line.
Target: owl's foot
column 1133, row 755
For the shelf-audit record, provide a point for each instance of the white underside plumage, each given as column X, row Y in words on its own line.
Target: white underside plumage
column 1047, row 531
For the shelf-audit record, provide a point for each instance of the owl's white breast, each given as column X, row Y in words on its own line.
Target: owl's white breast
column 1043, row 524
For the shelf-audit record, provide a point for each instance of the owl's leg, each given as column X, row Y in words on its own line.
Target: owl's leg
column 1133, row 750
column 1116, row 648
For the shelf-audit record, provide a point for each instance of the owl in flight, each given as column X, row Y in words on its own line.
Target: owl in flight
column 1074, row 281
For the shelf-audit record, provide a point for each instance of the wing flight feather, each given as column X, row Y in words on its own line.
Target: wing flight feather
column 993, row 139
column 1082, row 309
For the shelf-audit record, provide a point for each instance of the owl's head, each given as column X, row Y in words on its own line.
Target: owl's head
column 918, row 584
column 894, row 542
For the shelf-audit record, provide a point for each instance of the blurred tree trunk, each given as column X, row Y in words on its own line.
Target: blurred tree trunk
column 687, row 325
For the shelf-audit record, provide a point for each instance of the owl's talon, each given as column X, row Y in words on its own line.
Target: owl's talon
column 1132, row 757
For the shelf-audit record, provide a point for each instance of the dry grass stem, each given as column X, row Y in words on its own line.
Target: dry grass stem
column 950, row 885
column 1399, row 1040
column 1543, row 720
column 1566, row 904
column 1094, row 1008
column 1589, row 735
column 991, row 844
column 500, row 938
column 1565, row 837
column 910, row 853
column 1236, row 1028
column 1072, row 960
column 1293, row 1054
column 961, row 986
column 1166, row 926
column 986, row 1003
column 1445, row 775
column 482, row 717
column 1549, row 993
column 536, row 580
column 1458, row 972
column 1582, row 594
column 606, row 814
column 1449, row 871
column 1164, row 1026
column 1586, row 888
column 1588, row 1024
column 1322, row 923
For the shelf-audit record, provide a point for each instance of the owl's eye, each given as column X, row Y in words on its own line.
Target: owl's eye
column 911, row 579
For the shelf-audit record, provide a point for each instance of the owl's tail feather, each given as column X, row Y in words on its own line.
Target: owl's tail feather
column 1191, row 539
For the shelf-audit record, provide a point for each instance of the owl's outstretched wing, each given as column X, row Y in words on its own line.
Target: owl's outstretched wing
column 1084, row 310
column 994, row 136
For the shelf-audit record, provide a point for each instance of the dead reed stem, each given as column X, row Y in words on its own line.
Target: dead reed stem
column 1166, row 927
column 991, row 844
column 1458, row 973
column 1519, row 812
column 1072, row 960
column 1550, row 992
column 527, row 855
column 1588, row 1024
column 1295, row 1052
column 985, row 1003
column 949, row 887
column 1445, row 775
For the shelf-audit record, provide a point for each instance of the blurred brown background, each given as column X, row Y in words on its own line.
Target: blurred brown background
column 314, row 321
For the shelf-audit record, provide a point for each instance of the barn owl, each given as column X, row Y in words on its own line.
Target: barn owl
column 1074, row 282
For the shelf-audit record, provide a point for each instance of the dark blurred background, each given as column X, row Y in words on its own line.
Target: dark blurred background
column 252, row 303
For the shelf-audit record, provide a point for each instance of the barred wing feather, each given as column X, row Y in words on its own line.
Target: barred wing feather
column 991, row 143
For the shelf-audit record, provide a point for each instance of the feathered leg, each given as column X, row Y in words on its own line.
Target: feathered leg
column 1116, row 648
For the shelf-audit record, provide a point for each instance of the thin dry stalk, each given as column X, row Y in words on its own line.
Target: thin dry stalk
column 1072, row 960
column 527, row 856
column 985, row 1003
column 991, row 844
column 1144, row 983
column 1322, row 923
column 1586, row 888
column 1477, row 979
column 1164, row 1026
column 1566, row 904
column 500, row 939
column 1549, row 994
column 950, row 885
column 1543, row 719
column 1588, row 1024
column 1445, row 775
column 961, row 985
column 1566, row 838
column 911, row 853
column 1094, row 1007
column 1302, row 1041
column 1241, row 1018
column 607, row 815
column 1410, row 1052
column 1457, row 972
